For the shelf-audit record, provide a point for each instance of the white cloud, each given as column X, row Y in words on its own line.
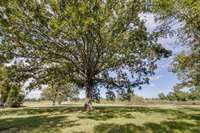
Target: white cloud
column 156, row 77
column 152, row 85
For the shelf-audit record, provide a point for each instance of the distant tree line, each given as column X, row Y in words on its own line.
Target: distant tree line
column 179, row 95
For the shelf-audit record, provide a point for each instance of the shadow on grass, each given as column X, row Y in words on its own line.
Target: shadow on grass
column 105, row 113
column 39, row 110
column 163, row 127
column 100, row 113
column 195, row 117
column 43, row 124
column 53, row 124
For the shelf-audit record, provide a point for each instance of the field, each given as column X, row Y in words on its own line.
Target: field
column 71, row 118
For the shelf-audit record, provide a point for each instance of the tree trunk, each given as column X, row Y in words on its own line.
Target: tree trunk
column 54, row 100
column 59, row 102
column 1, row 104
column 88, row 99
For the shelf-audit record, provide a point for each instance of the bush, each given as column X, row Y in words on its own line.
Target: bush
column 137, row 100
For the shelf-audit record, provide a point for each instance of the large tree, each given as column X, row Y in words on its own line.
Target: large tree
column 187, row 13
column 92, row 42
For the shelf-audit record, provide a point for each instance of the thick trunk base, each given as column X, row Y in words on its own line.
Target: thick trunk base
column 88, row 106
column 54, row 103
column 88, row 100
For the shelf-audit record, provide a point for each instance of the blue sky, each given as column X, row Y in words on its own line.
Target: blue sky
column 164, row 80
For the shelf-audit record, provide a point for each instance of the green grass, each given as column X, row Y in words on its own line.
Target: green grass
column 104, row 119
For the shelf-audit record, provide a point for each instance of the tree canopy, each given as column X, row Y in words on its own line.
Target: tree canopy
column 91, row 42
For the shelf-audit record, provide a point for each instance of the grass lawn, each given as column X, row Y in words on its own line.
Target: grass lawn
column 104, row 119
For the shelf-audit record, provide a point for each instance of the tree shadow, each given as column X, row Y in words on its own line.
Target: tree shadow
column 39, row 110
column 42, row 123
column 195, row 117
column 101, row 113
column 172, row 126
column 163, row 127
column 105, row 113
column 115, row 128
column 51, row 123
column 179, row 123
column 192, row 109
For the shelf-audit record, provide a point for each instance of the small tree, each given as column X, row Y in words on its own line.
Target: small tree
column 162, row 96
column 50, row 94
column 15, row 97
column 59, row 94
column 4, row 91
column 10, row 90
column 126, row 94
